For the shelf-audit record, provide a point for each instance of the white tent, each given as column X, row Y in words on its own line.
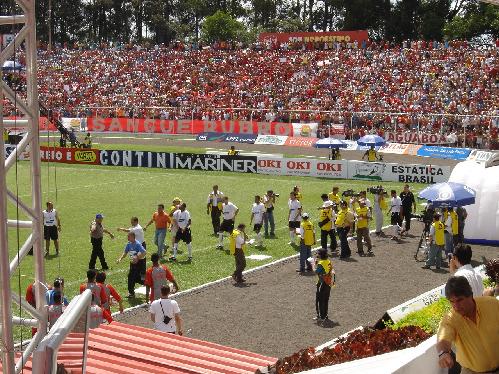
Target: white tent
column 482, row 224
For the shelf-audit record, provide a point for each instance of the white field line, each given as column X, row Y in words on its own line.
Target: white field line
column 221, row 280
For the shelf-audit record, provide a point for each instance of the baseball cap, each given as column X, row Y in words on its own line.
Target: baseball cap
column 304, row 215
column 99, row 215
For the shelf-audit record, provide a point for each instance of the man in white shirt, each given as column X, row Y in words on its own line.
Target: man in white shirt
column 396, row 219
column 294, row 217
column 182, row 219
column 51, row 227
column 165, row 313
column 257, row 212
column 136, row 229
column 229, row 213
column 460, row 264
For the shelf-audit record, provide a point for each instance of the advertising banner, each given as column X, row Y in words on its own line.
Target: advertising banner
column 70, row 155
column 300, row 142
column 395, row 148
column 163, row 126
column 444, row 152
column 306, row 37
column 8, row 149
column 300, row 167
column 210, row 137
column 305, row 130
column 407, row 173
column 480, row 156
column 143, row 159
column 415, row 137
column 271, row 139
column 241, row 138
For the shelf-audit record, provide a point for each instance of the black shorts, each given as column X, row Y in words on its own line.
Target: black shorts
column 294, row 224
column 395, row 218
column 50, row 232
column 227, row 226
column 185, row 236
column 257, row 227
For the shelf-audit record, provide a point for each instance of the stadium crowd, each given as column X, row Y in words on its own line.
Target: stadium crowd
column 427, row 86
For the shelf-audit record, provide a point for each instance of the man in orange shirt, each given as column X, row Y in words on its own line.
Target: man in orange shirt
column 156, row 277
column 98, row 293
column 162, row 221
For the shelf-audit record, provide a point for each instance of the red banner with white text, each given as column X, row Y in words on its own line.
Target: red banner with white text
column 164, row 126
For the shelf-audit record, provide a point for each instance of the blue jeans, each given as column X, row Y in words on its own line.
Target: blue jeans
column 305, row 252
column 268, row 217
column 159, row 240
column 435, row 255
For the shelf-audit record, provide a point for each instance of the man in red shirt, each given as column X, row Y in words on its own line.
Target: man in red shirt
column 156, row 277
column 162, row 221
column 110, row 291
column 98, row 293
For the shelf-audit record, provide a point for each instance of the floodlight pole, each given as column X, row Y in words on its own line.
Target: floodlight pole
column 30, row 110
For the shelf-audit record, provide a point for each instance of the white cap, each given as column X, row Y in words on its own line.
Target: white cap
column 304, row 215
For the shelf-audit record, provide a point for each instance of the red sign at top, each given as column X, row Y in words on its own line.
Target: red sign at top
column 313, row 37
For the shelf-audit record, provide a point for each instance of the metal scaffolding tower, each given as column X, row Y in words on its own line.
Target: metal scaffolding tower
column 28, row 106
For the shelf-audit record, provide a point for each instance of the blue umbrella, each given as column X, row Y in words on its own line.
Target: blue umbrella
column 371, row 140
column 330, row 143
column 448, row 194
column 11, row 66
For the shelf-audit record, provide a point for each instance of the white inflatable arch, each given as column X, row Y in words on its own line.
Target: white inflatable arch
column 482, row 224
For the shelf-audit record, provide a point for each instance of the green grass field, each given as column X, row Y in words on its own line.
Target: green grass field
column 79, row 192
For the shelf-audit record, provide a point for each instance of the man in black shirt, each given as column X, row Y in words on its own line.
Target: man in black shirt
column 408, row 202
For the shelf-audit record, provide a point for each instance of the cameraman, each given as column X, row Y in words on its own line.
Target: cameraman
column 268, row 216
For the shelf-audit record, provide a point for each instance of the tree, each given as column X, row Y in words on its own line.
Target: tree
column 476, row 20
column 221, row 27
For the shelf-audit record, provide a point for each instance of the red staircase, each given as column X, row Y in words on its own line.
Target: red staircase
column 121, row 348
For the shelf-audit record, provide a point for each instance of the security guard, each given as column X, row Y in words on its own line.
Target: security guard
column 326, row 219
column 237, row 248
column 455, row 226
column 307, row 234
column 334, row 196
column 325, row 273
column 371, row 154
column 437, row 239
column 232, row 151
column 363, row 216
column 342, row 226
column 214, row 205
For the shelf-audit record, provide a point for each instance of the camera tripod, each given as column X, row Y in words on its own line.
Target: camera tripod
column 423, row 244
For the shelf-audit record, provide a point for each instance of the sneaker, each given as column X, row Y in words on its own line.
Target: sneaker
column 220, row 246
column 300, row 270
column 291, row 243
column 189, row 259
column 425, row 267
column 361, row 253
column 173, row 259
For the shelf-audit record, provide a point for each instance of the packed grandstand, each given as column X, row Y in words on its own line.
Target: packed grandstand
column 448, row 88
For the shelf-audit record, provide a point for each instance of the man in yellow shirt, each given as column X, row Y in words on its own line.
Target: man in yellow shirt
column 473, row 326
column 437, row 240
column 363, row 216
column 371, row 154
column 307, row 233
column 334, row 196
column 342, row 226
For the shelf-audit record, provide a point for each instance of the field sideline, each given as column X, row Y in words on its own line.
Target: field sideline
column 79, row 192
